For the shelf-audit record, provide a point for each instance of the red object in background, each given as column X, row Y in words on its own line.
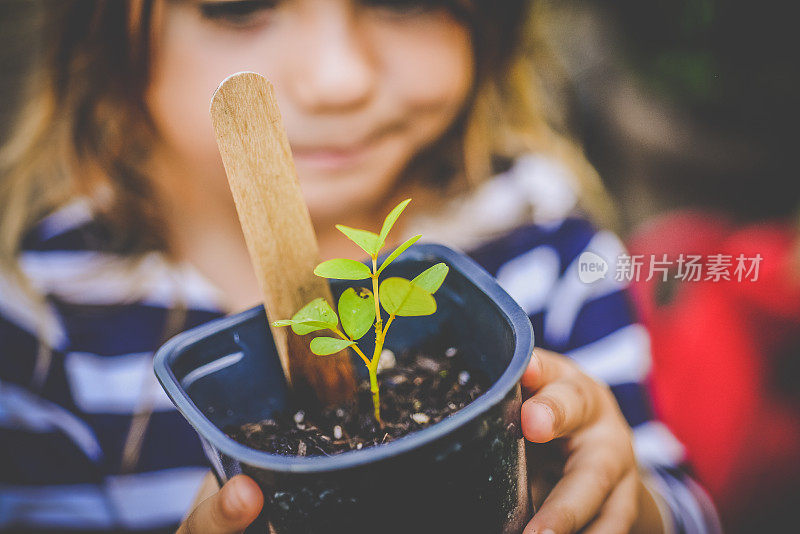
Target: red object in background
column 726, row 364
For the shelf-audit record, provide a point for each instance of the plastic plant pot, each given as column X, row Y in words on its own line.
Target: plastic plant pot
column 466, row 473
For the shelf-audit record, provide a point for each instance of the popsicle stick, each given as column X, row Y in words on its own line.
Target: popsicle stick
column 277, row 227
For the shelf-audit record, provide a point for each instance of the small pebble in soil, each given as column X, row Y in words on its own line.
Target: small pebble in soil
column 395, row 380
column 299, row 416
column 463, row 378
column 429, row 364
column 420, row 418
column 387, row 360
column 452, row 351
column 337, row 432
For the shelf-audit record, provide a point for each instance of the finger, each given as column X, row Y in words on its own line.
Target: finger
column 589, row 478
column 620, row 510
column 559, row 409
column 545, row 366
column 229, row 511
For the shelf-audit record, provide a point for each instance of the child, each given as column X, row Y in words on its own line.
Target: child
column 118, row 231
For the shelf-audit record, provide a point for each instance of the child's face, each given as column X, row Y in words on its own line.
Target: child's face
column 362, row 86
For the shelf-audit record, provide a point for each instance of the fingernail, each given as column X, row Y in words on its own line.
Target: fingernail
column 548, row 531
column 239, row 497
column 538, row 422
column 550, row 422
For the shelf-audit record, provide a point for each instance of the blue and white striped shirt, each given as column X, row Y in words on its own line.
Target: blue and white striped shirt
column 70, row 416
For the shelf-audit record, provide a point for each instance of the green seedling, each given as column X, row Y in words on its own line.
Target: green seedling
column 359, row 308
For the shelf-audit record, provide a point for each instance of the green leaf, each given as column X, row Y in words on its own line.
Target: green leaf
column 368, row 241
column 304, row 327
column 316, row 310
column 357, row 311
column 399, row 250
column 391, row 219
column 402, row 297
column 323, row 346
column 431, row 279
column 343, row 269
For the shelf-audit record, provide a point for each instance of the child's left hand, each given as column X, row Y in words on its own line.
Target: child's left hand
column 600, row 490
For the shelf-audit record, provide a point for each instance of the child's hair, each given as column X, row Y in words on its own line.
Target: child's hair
column 84, row 128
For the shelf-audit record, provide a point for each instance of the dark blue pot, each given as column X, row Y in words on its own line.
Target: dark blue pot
column 466, row 473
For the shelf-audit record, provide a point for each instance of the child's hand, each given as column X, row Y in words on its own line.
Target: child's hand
column 228, row 511
column 600, row 490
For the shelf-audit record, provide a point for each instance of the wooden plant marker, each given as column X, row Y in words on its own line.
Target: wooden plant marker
column 277, row 228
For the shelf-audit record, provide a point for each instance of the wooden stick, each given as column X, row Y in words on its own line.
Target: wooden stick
column 277, row 227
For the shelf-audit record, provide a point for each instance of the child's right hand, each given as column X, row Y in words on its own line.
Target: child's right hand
column 228, row 511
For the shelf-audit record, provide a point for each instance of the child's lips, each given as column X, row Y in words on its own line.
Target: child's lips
column 332, row 157
column 341, row 154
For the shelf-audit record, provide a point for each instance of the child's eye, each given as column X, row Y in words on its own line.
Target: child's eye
column 238, row 13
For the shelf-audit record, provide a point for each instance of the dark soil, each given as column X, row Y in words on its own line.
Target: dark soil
column 418, row 391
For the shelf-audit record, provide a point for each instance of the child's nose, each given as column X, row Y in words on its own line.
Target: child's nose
column 335, row 69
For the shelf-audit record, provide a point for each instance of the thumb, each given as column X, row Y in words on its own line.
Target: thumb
column 229, row 511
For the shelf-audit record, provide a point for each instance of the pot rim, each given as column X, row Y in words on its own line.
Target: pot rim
column 523, row 339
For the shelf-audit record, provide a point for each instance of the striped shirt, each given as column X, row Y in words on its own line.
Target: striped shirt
column 71, row 416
